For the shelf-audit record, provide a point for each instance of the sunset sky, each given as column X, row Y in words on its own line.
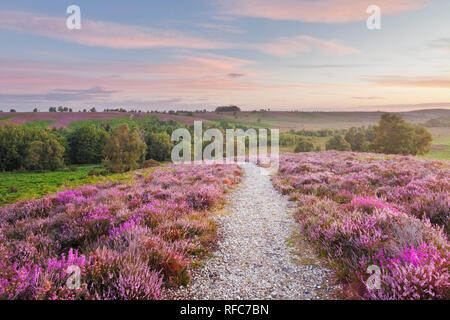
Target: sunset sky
column 192, row 54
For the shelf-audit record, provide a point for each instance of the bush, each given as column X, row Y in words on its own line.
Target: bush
column 304, row 145
column 395, row 136
column 94, row 172
column 150, row 164
column 13, row 189
column 159, row 146
column 123, row 149
column 86, row 145
column 32, row 148
column 338, row 143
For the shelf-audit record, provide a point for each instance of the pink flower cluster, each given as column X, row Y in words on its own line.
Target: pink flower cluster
column 128, row 240
column 360, row 209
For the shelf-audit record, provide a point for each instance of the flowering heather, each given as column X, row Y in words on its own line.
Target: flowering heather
column 360, row 209
column 128, row 240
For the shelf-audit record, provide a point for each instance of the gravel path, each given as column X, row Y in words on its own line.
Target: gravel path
column 254, row 259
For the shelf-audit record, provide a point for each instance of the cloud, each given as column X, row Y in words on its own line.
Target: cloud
column 441, row 44
column 415, row 82
column 33, row 81
column 59, row 95
column 102, row 34
column 204, row 65
column 325, row 66
column 327, row 11
column 291, row 46
column 221, row 28
column 235, row 75
column 367, row 98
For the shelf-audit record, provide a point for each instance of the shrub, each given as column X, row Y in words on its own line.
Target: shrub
column 304, row 145
column 135, row 238
column 159, row 146
column 359, row 210
column 150, row 164
column 338, row 143
column 395, row 136
column 94, row 172
column 123, row 149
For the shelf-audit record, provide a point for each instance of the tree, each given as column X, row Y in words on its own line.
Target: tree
column 159, row 146
column 123, row 149
column 45, row 154
column 12, row 110
column 304, row 145
column 393, row 135
column 338, row 143
column 86, row 145
column 228, row 109
column 93, row 110
column 359, row 139
column 422, row 140
column 35, row 110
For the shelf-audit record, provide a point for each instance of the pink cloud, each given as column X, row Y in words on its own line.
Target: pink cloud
column 102, row 34
column 328, row 11
column 204, row 65
column 423, row 82
column 294, row 45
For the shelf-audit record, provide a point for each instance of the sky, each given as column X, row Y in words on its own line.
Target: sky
column 199, row 54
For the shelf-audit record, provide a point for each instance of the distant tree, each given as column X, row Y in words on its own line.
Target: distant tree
column 393, row 135
column 123, row 149
column 228, row 109
column 304, row 145
column 52, row 109
column 12, row 110
column 86, row 145
column 60, row 109
column 159, row 146
column 93, row 110
column 337, row 142
column 35, row 110
column 84, row 110
column 70, row 110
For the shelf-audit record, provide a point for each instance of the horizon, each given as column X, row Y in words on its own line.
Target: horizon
column 313, row 56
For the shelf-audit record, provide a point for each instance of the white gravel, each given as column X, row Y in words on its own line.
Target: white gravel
column 253, row 260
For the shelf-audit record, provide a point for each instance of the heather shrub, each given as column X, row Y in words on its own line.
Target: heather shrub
column 129, row 240
column 359, row 210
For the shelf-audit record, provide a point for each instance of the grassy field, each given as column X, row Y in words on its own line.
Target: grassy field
column 15, row 186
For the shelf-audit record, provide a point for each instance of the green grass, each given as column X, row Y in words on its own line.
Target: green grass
column 113, row 122
column 29, row 185
column 440, row 150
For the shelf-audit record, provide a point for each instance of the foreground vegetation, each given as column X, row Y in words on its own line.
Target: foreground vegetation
column 15, row 186
column 126, row 240
column 360, row 209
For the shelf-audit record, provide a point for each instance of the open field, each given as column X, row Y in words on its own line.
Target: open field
column 271, row 119
column 16, row 186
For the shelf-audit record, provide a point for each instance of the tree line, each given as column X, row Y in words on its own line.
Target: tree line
column 121, row 148
column 392, row 135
